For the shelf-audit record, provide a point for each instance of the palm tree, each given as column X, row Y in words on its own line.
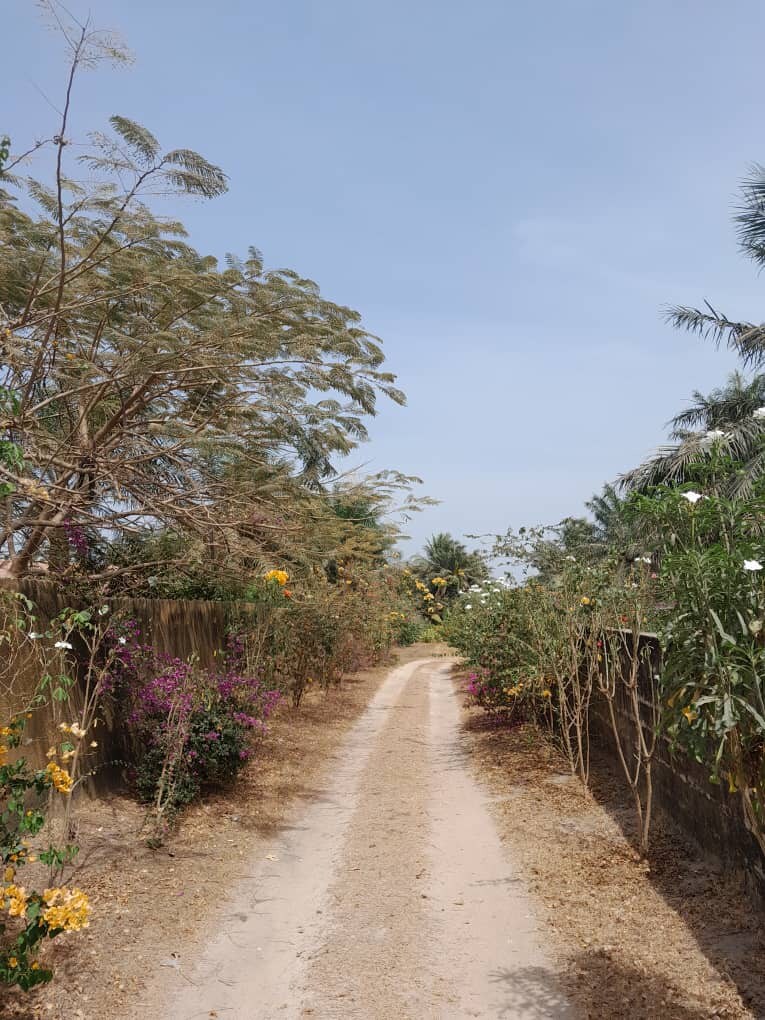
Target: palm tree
column 726, row 428
column 746, row 338
column 445, row 556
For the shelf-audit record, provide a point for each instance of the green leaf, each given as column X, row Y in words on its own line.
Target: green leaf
column 721, row 630
column 140, row 140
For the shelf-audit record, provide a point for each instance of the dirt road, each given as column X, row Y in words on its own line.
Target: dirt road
column 390, row 895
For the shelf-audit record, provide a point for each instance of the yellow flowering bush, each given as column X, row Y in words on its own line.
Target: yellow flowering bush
column 59, row 777
column 65, row 909
column 279, row 576
column 28, row 917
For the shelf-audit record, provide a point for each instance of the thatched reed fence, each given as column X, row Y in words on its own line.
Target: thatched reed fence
column 174, row 628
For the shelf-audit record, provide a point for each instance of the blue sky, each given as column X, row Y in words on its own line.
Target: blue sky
column 508, row 191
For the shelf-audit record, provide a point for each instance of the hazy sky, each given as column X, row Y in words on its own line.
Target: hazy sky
column 508, row 191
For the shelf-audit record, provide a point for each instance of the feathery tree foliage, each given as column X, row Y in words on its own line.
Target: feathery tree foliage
column 153, row 400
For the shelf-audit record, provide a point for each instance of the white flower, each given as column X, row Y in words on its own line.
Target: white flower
column 103, row 610
column 34, row 636
column 77, row 731
column 571, row 558
column 642, row 559
column 122, row 640
column 759, row 413
column 692, row 497
column 469, row 605
column 752, row 565
column 62, row 644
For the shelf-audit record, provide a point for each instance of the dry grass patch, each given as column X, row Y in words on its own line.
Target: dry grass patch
column 673, row 941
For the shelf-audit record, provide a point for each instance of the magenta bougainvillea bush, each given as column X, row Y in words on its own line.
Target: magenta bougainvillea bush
column 189, row 727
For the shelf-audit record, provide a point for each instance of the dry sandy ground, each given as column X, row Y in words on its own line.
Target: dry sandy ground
column 150, row 906
column 676, row 941
column 387, row 856
column 390, row 896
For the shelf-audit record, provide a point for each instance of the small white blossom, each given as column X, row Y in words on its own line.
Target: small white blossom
column 572, row 559
column 103, row 610
column 122, row 640
column 642, row 559
column 752, row 565
column 34, row 636
column 692, row 497
column 469, row 605
column 62, row 644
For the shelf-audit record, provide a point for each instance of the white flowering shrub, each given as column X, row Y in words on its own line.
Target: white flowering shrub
column 712, row 632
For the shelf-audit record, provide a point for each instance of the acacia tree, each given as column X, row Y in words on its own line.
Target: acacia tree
column 142, row 385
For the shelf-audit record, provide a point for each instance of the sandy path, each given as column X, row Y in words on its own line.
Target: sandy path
column 391, row 895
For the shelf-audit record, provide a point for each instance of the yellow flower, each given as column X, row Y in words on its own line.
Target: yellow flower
column 51, row 752
column 3, row 754
column 546, row 693
column 12, row 962
column 280, row 576
column 35, row 965
column 67, row 909
column 17, row 900
column 59, row 777
column 5, row 731
column 8, row 874
column 689, row 714
column 585, row 601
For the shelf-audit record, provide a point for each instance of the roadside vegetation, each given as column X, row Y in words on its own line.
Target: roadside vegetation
column 172, row 427
column 675, row 547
